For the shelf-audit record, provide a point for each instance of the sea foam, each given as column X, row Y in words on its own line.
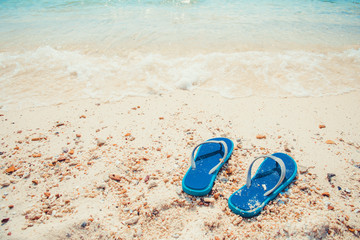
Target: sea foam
column 50, row 76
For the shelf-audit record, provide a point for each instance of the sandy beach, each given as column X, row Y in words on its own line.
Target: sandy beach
column 93, row 170
column 103, row 102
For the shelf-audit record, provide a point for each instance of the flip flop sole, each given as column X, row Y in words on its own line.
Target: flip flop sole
column 198, row 181
column 249, row 202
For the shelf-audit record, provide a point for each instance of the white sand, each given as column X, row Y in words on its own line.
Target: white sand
column 151, row 139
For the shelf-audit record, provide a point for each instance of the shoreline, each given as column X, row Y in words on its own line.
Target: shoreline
column 61, row 186
column 182, row 49
column 62, row 76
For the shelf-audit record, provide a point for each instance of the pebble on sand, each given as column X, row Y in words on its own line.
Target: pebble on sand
column 330, row 142
column 259, row 136
column 11, row 169
column 5, row 184
column 5, row 220
column 61, row 158
column 326, row 194
column 100, row 142
column 330, row 207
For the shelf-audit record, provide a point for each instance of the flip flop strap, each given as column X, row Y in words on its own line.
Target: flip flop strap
column 282, row 176
column 222, row 143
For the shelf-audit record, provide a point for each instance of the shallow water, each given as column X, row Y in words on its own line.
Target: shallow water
column 59, row 51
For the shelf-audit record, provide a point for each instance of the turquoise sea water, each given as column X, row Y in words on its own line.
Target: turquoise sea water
column 58, row 51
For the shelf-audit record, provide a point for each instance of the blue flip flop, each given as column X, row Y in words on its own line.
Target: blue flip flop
column 275, row 173
column 211, row 155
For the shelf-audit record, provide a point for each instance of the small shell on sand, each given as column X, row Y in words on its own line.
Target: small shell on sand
column 132, row 220
column 209, row 200
column 115, row 177
column 152, row 184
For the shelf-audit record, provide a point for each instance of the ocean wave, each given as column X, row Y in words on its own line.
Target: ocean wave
column 50, row 76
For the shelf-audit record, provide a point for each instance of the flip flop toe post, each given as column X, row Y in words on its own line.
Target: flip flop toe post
column 275, row 173
column 207, row 159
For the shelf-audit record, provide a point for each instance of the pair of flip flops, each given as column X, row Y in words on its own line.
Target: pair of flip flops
column 276, row 172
